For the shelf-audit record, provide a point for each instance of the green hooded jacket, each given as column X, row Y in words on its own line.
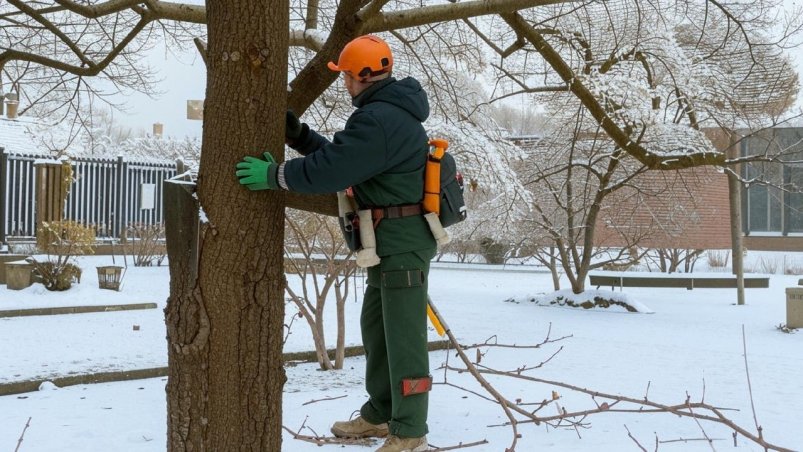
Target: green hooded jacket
column 381, row 153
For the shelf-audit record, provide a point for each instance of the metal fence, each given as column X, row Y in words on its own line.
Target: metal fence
column 109, row 194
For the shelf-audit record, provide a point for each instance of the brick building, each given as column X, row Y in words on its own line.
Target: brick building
column 690, row 209
column 686, row 209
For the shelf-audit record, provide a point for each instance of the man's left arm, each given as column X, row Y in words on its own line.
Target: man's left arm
column 258, row 173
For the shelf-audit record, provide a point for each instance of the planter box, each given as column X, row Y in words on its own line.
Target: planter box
column 19, row 275
column 8, row 258
column 794, row 307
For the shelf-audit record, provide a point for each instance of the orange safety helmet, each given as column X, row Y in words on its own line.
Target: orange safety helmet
column 364, row 57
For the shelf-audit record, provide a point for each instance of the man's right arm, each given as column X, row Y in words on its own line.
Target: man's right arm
column 300, row 137
column 355, row 154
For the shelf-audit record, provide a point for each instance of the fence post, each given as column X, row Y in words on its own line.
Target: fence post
column 3, row 194
column 181, row 213
column 50, row 192
column 180, row 167
column 119, row 220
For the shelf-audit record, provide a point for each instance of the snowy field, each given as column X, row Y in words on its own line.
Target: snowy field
column 691, row 344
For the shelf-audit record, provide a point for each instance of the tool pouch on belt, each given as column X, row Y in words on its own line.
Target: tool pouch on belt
column 349, row 220
column 413, row 386
column 350, row 227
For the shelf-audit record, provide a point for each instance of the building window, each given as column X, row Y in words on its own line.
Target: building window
column 775, row 205
column 794, row 201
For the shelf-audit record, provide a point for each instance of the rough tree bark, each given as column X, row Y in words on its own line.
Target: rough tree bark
column 224, row 390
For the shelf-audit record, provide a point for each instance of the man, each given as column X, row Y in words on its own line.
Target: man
column 381, row 153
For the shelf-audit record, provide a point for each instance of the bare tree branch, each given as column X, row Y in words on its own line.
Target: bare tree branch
column 453, row 11
column 599, row 113
column 159, row 9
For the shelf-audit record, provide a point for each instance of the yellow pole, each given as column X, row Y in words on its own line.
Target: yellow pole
column 436, row 322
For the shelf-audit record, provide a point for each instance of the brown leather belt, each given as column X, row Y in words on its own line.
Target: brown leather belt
column 409, row 210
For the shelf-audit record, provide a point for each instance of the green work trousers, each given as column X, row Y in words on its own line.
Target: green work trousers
column 394, row 333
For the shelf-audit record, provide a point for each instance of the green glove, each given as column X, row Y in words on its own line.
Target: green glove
column 258, row 174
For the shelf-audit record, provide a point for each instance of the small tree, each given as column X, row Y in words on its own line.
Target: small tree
column 317, row 253
column 573, row 173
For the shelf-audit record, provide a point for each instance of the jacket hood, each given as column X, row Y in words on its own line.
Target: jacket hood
column 406, row 94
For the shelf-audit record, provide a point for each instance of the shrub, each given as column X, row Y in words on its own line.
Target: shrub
column 57, row 277
column 61, row 240
column 768, row 265
column 494, row 252
column 717, row 258
column 792, row 267
column 147, row 244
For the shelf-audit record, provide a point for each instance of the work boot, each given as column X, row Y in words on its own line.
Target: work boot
column 398, row 444
column 359, row 428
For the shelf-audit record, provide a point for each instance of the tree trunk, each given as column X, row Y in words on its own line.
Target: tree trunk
column 225, row 382
column 340, row 348
column 674, row 259
column 312, row 322
column 320, row 335
column 735, row 198
column 553, row 268
column 736, row 235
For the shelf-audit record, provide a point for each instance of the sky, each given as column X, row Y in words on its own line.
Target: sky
column 183, row 78
column 690, row 343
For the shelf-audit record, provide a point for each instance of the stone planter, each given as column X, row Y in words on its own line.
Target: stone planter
column 8, row 258
column 19, row 275
column 794, row 307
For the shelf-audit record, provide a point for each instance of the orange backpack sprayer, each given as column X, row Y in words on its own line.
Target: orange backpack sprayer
column 432, row 176
column 432, row 205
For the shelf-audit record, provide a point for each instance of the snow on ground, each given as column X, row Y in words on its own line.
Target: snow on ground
column 691, row 343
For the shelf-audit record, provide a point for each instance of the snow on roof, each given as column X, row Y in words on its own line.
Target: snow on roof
column 33, row 136
column 17, row 137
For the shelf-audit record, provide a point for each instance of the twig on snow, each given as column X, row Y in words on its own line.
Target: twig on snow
column 689, row 440
column 324, row 440
column 460, row 446
column 323, row 400
column 19, row 441
column 750, row 386
column 634, row 439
